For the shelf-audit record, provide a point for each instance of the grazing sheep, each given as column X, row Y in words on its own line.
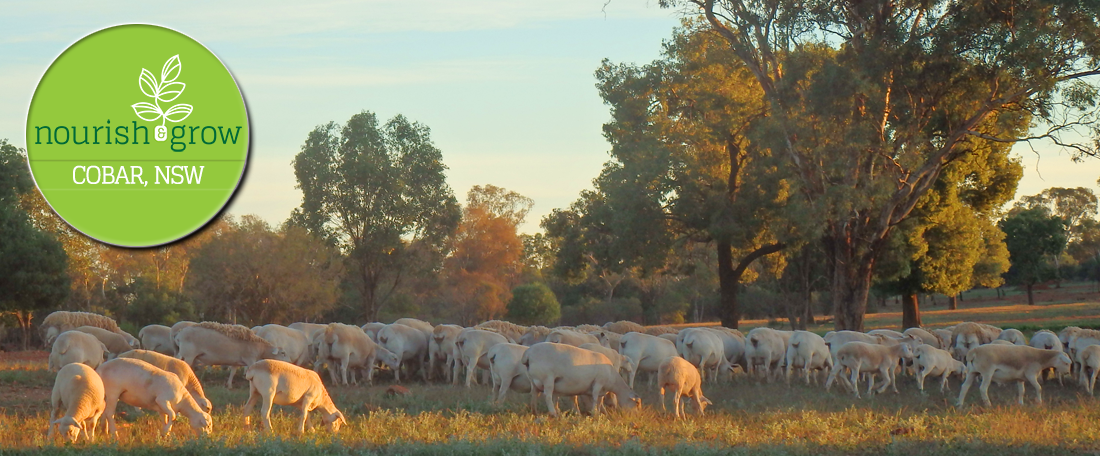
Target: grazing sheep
column 177, row 367
column 372, row 329
column 930, row 360
column 1014, row 336
column 60, row 321
column 409, row 344
column 767, row 348
column 571, row 371
column 216, row 344
column 114, row 342
column 157, row 338
column 1010, row 363
column 76, row 347
column 734, row 344
column 142, row 385
column 509, row 330
column 703, row 349
column 441, row 348
column 351, row 348
column 321, row 352
column 292, row 343
column 1080, row 340
column 863, row 357
column 623, row 327
column 570, row 337
column 646, row 352
column 1089, row 358
column 621, row 363
column 608, row 338
column 471, row 345
column 282, row 383
column 808, row 351
column 506, row 370
column 534, row 335
column 681, row 377
column 968, row 335
column 925, row 337
column 78, row 393
column 1047, row 340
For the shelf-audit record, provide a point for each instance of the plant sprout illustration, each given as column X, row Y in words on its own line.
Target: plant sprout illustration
column 165, row 91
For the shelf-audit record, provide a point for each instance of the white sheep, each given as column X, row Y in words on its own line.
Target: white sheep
column 177, row 367
column 808, row 351
column 114, row 342
column 62, row 320
column 567, row 370
column 408, row 343
column 1089, row 357
column 930, row 360
column 217, row 344
column 142, row 385
column 534, row 335
column 78, row 393
column 925, row 337
column 509, row 330
column 646, row 352
column 282, row 383
column 351, row 348
column 767, row 348
column 679, row 376
column 440, row 348
column 704, row 349
column 1010, row 363
column 293, row 343
column 471, row 346
column 570, row 337
column 76, row 347
column 621, row 363
column 863, row 357
column 968, row 335
column 157, row 338
column 1014, row 336
column 507, row 372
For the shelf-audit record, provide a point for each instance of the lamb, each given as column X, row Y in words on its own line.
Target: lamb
column 282, row 383
column 623, row 327
column 568, row 337
column 509, row 330
column 968, row 335
column 114, row 342
column 1014, row 336
column 1010, row 363
column 1089, row 357
column 766, row 347
column 471, row 346
column 78, row 392
column 216, row 344
column 293, row 343
column 157, row 338
column 930, row 360
column 408, row 343
column 60, row 321
column 646, row 352
column 808, row 351
column 534, row 335
column 863, row 357
column 704, row 349
column 440, row 348
column 506, row 370
column 568, row 370
column 76, row 347
column 681, row 377
column 142, row 385
column 177, row 367
column 350, row 347
column 925, row 337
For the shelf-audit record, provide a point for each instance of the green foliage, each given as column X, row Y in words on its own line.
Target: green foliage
column 534, row 304
column 1033, row 236
column 147, row 305
column 377, row 192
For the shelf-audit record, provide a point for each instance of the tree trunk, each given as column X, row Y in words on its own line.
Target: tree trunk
column 910, row 312
column 953, row 303
column 851, row 284
column 729, row 278
column 1030, row 296
column 24, row 318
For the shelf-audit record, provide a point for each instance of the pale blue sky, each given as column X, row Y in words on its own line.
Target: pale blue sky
column 507, row 87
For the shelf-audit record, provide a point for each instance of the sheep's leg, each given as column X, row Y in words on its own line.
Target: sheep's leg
column 548, row 391
column 265, row 409
column 790, row 367
column 663, row 408
column 109, row 410
column 397, row 371
column 832, row 377
column 597, row 398
column 697, row 394
column 304, row 418
column 632, row 374
column 1092, row 381
column 471, row 369
column 253, row 396
column 168, row 414
column 1038, row 389
column 456, row 369
column 676, row 403
column 984, row 389
column 95, row 422
column 887, row 380
column 232, row 372
column 344, row 361
column 53, row 417
column 496, row 381
column 505, row 385
column 855, row 379
column 921, row 374
column 970, row 376
column 943, row 383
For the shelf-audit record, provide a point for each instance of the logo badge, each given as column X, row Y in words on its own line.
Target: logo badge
column 137, row 165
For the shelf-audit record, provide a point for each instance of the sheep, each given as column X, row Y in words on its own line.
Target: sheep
column 808, row 351
column 216, row 344
column 658, row 330
column 766, row 347
column 1001, row 342
column 888, row 333
column 1010, row 363
column 1014, row 336
column 621, row 363
column 703, row 349
column 623, row 327
column 176, row 328
column 114, row 342
column 60, row 321
column 142, row 385
column 293, row 343
column 608, row 338
column 350, row 347
column 509, row 330
column 925, row 337
column 570, row 337
column 76, row 347
column 441, row 347
column 734, row 342
column 321, row 353
column 177, row 367
column 681, row 377
column 78, row 392
column 1089, row 357
column 646, row 352
column 968, row 335
column 471, row 345
column 930, row 360
column 945, row 337
column 157, row 338
column 534, row 335
column 506, row 370
column 572, row 371
column 1045, row 339
column 277, row 382
column 863, row 357
column 372, row 330
column 408, row 343
column 419, row 325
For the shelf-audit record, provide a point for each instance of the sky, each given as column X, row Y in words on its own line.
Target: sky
column 506, row 86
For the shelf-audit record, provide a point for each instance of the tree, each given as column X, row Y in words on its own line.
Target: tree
column 1032, row 236
column 869, row 102
column 378, row 193
column 32, row 263
column 533, row 304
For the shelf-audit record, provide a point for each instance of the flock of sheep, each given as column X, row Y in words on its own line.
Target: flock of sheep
column 98, row 364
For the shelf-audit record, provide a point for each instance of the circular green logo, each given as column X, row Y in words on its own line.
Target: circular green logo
column 137, row 135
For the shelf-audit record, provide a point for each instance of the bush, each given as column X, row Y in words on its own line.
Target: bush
column 533, row 304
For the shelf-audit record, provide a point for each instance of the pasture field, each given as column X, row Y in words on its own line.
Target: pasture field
column 748, row 417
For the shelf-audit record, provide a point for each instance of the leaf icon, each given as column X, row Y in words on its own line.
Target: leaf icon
column 178, row 112
column 148, row 84
column 171, row 91
column 171, row 69
column 147, row 111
